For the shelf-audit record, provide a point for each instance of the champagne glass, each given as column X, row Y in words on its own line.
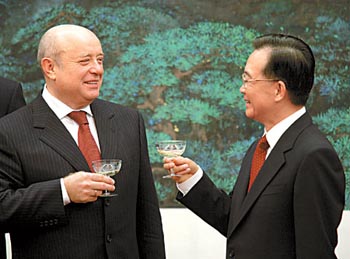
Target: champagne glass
column 171, row 148
column 108, row 167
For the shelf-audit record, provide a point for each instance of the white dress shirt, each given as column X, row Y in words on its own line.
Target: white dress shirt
column 272, row 136
column 62, row 110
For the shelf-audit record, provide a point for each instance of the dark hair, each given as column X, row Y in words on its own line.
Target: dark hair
column 292, row 62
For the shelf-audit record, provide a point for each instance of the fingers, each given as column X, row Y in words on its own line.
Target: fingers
column 177, row 160
column 183, row 167
column 85, row 187
column 99, row 178
column 96, row 193
column 97, row 181
column 179, row 164
column 181, row 178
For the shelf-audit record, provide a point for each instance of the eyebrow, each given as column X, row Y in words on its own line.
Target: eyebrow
column 89, row 55
column 247, row 73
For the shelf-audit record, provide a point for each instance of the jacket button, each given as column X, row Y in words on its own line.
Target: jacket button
column 109, row 238
column 231, row 254
column 107, row 202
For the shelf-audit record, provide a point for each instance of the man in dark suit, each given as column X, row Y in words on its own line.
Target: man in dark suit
column 294, row 206
column 11, row 98
column 50, row 200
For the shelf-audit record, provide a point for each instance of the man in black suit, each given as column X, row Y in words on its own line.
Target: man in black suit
column 294, row 206
column 11, row 98
column 50, row 199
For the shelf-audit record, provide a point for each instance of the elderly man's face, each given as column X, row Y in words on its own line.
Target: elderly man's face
column 259, row 91
column 79, row 69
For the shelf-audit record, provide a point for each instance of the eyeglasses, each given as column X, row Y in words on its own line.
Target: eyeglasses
column 246, row 80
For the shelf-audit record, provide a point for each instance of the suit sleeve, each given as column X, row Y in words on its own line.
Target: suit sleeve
column 318, row 204
column 149, row 225
column 209, row 203
column 38, row 205
column 16, row 99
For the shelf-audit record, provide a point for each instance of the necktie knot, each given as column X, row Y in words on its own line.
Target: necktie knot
column 79, row 117
column 263, row 144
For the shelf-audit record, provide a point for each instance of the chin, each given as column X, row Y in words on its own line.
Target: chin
column 249, row 114
column 94, row 94
column 91, row 99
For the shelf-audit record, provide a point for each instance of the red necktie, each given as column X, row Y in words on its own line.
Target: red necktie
column 258, row 159
column 86, row 142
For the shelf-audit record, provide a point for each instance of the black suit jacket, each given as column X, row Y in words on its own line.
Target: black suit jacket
column 38, row 151
column 11, row 98
column 292, row 210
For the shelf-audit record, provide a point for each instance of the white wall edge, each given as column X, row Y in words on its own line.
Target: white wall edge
column 189, row 237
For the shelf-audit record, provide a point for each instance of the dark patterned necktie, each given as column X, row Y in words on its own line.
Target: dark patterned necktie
column 86, row 142
column 258, row 159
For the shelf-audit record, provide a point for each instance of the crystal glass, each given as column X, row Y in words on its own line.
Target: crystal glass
column 108, row 167
column 171, row 148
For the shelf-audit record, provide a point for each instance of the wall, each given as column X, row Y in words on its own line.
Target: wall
column 188, row 237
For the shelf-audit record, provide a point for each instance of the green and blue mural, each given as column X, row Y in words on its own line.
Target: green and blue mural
column 179, row 62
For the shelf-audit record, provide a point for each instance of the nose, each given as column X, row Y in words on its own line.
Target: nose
column 96, row 67
column 242, row 88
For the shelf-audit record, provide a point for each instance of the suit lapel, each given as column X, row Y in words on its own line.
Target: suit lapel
column 54, row 134
column 267, row 173
column 105, row 120
column 271, row 167
column 240, row 190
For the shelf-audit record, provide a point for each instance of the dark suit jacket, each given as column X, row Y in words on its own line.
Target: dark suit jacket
column 11, row 98
column 38, row 150
column 294, row 207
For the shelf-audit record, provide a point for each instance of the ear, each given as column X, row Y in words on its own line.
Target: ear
column 280, row 91
column 49, row 66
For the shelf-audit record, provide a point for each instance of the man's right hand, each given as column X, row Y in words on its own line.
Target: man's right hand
column 83, row 187
column 183, row 167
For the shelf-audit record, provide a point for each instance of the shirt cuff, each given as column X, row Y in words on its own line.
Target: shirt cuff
column 187, row 185
column 65, row 195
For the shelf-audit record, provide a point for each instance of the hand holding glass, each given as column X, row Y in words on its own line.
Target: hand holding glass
column 171, row 148
column 108, row 167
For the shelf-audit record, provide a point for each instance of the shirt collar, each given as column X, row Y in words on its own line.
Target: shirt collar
column 275, row 133
column 58, row 107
